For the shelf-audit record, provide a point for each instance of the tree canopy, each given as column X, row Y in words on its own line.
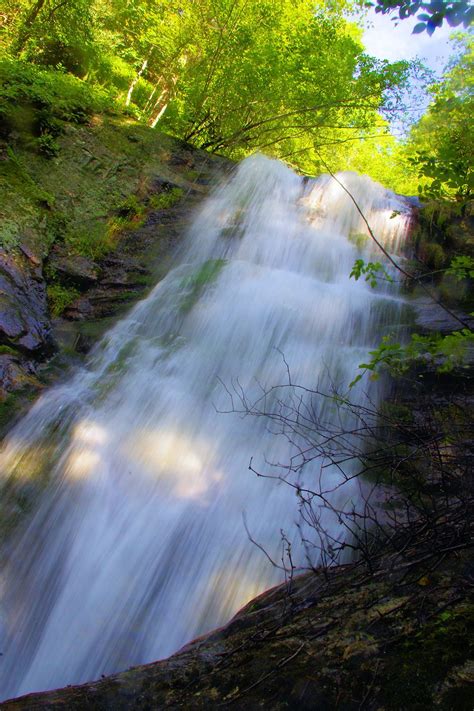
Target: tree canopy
column 432, row 14
column 442, row 143
column 287, row 77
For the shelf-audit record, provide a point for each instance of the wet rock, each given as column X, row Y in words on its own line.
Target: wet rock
column 123, row 273
column 24, row 318
column 79, row 310
column 73, row 268
column 30, row 254
column 430, row 316
column 272, row 656
column 15, row 373
column 161, row 185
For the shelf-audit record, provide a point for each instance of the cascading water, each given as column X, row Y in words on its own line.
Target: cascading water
column 138, row 544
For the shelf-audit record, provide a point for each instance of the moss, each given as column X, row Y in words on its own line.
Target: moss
column 396, row 412
column 142, row 279
column 432, row 254
column 93, row 240
column 194, row 285
column 9, row 235
column 192, row 175
column 418, row 665
column 7, row 350
column 166, row 199
column 89, row 193
column 359, row 239
column 60, row 297
column 7, row 410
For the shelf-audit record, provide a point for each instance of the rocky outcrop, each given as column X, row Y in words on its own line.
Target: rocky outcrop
column 158, row 189
column 24, row 317
column 16, row 373
column 400, row 638
column 73, row 268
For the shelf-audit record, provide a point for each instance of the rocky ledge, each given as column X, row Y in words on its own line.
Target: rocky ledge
column 400, row 638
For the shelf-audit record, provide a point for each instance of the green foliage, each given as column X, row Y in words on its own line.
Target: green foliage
column 442, row 143
column 92, row 239
column 434, row 12
column 131, row 207
column 432, row 254
column 288, row 78
column 53, row 33
column 443, row 351
column 18, row 175
column 38, row 100
column 370, row 270
column 462, row 267
column 166, row 199
column 48, row 146
column 59, row 298
column 9, row 237
column 359, row 239
column 130, row 215
column 56, row 94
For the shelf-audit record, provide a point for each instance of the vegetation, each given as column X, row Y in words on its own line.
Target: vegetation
column 287, row 78
column 441, row 145
column 440, row 149
column 194, row 285
column 85, row 82
column 60, row 297
column 433, row 13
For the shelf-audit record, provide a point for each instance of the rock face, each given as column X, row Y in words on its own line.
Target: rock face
column 15, row 372
column 398, row 639
column 78, row 270
column 24, row 318
column 162, row 188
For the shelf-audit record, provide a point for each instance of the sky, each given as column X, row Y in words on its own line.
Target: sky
column 384, row 40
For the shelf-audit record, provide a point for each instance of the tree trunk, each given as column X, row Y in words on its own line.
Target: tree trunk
column 161, row 104
column 25, row 31
column 159, row 108
column 135, row 82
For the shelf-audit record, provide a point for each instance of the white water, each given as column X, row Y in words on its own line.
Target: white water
column 138, row 544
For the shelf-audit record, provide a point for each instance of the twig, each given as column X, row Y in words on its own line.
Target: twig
column 397, row 266
column 280, row 664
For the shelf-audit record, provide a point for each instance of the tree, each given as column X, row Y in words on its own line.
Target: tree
column 52, row 33
column 281, row 79
column 442, row 142
column 287, row 78
column 434, row 13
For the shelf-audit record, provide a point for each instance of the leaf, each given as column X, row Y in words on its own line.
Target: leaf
column 356, row 380
column 420, row 27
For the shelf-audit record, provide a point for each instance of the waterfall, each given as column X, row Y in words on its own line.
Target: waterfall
column 136, row 541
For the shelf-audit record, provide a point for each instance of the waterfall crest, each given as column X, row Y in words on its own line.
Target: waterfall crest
column 138, row 543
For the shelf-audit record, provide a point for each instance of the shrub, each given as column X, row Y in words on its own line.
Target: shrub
column 49, row 96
